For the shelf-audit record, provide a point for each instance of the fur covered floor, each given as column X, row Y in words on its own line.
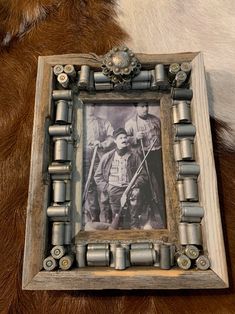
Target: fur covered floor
column 44, row 27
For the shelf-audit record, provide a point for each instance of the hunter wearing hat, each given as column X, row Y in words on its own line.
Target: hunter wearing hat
column 114, row 173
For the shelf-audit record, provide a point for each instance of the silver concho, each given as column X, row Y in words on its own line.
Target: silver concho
column 121, row 65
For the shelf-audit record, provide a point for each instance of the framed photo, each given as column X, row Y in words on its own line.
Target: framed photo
column 123, row 191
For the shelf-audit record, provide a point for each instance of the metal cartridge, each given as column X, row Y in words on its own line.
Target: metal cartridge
column 91, row 86
column 60, row 130
column 60, row 150
column 184, row 112
column 127, row 254
column 67, row 233
column 183, row 261
column 181, row 94
column 174, row 68
column 58, row 168
column 84, row 76
column 63, row 79
column 98, row 257
column 190, row 189
column 156, row 247
column 120, row 260
column 191, row 251
column 187, row 169
column 103, row 86
column 142, row 76
column 192, row 210
column 142, row 257
column 184, row 130
column 81, row 255
column 165, row 257
column 58, row 251
column 113, row 247
column 180, row 78
column 99, row 77
column 58, row 211
column 59, row 191
column 58, row 69
column 62, row 94
column 49, row 263
column 203, row 262
column 98, row 246
column 186, row 67
column 61, row 112
column 183, row 237
column 66, row 262
column 69, row 70
column 57, row 233
column 194, row 234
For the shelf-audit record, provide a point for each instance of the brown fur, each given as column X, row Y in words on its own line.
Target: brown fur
column 69, row 26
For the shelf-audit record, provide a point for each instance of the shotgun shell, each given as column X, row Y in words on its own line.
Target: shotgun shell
column 191, row 251
column 66, row 262
column 59, row 191
column 57, row 233
column 81, row 255
column 190, row 189
column 120, row 260
column 60, row 130
column 181, row 94
column 62, row 94
column 63, row 79
column 58, row 251
column 165, row 257
column 194, row 234
column 98, row 257
column 203, row 262
column 58, row 69
column 61, row 111
column 49, row 263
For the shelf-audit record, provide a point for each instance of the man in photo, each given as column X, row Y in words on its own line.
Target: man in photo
column 142, row 129
column 113, row 175
column 97, row 141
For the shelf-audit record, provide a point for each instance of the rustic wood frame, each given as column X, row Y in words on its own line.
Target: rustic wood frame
column 34, row 278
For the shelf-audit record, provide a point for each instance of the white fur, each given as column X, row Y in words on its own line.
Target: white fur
column 166, row 26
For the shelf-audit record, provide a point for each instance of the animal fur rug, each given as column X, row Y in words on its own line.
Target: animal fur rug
column 29, row 28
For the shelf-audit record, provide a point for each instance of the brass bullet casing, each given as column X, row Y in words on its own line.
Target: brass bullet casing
column 69, row 70
column 99, row 77
column 98, row 246
column 58, row 168
column 120, row 260
column 62, row 94
column 103, row 86
column 63, row 80
column 57, row 233
column 84, row 76
column 181, row 94
column 141, row 245
column 180, row 78
column 59, row 191
column 186, row 67
column 60, row 130
column 58, row 211
column 194, row 233
column 81, row 255
column 142, row 257
column 58, row 251
column 67, row 233
column 183, row 237
column 191, row 251
column 61, row 112
column 141, row 85
column 184, row 131
column 49, row 263
column 58, row 69
column 165, row 256
column 127, row 254
column 98, row 257
column 66, row 262
column 183, row 261
column 113, row 247
column 190, row 189
column 203, row 262
column 142, row 76
column 60, row 150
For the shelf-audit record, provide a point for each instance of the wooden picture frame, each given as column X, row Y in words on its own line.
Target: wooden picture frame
column 37, row 231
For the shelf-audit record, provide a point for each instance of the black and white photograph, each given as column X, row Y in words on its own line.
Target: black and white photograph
column 123, row 183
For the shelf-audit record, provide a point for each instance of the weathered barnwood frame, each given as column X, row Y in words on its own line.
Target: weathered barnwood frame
column 34, row 278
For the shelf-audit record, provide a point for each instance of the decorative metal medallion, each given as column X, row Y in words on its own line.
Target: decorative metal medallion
column 121, row 65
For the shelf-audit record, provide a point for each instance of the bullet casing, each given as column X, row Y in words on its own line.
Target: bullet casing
column 49, row 263
column 180, row 78
column 60, row 150
column 58, row 211
column 142, row 76
column 84, row 76
column 194, row 233
column 113, row 247
column 66, row 262
column 203, row 262
column 186, row 67
column 67, row 233
column 58, row 168
column 69, row 70
column 184, row 130
column 180, row 189
column 58, row 251
column 160, row 75
column 181, row 94
column 192, row 211
column 81, row 255
column 174, row 68
column 190, row 189
column 186, row 148
column 98, row 257
column 60, row 130
column 156, row 247
column 62, row 94
column 61, row 111
column 183, row 261
column 165, row 257
column 183, row 238
column 57, row 233
column 120, row 260
column 188, row 169
column 142, row 257
column 59, row 191
column 192, row 251
column 184, row 112
column 99, row 77
column 127, row 254
column 63, row 79
column 58, row 69
column 103, row 86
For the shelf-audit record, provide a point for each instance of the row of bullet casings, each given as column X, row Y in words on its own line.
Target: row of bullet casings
column 60, row 257
column 123, row 255
column 189, row 256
